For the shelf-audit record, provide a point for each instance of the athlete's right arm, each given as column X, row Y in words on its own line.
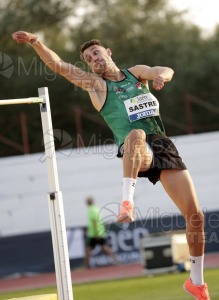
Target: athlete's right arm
column 72, row 73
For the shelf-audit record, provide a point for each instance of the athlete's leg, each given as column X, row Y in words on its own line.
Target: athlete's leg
column 137, row 154
column 178, row 184
column 137, row 157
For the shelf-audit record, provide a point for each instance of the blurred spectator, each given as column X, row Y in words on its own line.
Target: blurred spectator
column 96, row 233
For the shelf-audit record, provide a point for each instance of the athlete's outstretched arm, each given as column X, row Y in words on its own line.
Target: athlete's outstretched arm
column 76, row 75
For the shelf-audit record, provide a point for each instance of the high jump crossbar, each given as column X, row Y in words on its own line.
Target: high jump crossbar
column 31, row 100
column 56, row 209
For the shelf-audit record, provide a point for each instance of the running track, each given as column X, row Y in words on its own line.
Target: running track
column 83, row 276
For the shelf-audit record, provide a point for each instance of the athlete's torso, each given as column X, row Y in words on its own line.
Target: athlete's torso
column 130, row 105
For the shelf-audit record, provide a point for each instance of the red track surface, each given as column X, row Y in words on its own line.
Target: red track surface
column 82, row 276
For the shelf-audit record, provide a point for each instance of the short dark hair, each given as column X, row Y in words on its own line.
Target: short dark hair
column 90, row 201
column 87, row 44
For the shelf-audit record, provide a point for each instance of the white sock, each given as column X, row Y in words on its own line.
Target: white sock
column 196, row 273
column 128, row 188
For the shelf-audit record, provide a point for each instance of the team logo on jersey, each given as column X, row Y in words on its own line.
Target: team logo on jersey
column 134, row 100
column 138, row 85
column 119, row 90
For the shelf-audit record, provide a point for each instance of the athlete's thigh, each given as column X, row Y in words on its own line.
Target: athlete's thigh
column 179, row 186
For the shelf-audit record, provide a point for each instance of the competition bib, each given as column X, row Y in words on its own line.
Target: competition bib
column 142, row 106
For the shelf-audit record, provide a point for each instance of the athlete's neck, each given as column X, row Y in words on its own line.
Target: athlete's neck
column 113, row 74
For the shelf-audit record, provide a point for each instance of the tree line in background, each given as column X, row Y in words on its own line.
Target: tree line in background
column 138, row 32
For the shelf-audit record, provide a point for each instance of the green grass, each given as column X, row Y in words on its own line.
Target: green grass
column 162, row 287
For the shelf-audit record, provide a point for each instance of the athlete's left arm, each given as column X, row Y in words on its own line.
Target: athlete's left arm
column 159, row 75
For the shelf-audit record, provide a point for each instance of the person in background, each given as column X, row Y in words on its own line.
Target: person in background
column 96, row 233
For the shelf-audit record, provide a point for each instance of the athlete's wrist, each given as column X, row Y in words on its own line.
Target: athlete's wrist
column 34, row 40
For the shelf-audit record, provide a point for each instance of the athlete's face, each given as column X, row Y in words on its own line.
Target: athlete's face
column 98, row 58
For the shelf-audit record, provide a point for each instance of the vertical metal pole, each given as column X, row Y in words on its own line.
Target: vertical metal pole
column 56, row 209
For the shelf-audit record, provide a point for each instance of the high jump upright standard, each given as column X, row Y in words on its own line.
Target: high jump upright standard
column 56, row 209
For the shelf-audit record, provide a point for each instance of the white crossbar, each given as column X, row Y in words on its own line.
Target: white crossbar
column 31, row 100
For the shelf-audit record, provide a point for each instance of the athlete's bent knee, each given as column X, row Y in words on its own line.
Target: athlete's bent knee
column 136, row 135
column 195, row 220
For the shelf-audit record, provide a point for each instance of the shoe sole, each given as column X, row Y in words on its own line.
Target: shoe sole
column 189, row 292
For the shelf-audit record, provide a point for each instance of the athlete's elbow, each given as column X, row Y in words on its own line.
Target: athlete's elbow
column 170, row 73
column 61, row 68
column 53, row 66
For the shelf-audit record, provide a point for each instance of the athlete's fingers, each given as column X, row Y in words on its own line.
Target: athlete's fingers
column 21, row 37
column 158, row 82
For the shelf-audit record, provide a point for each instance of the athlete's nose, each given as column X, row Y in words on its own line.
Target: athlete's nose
column 95, row 59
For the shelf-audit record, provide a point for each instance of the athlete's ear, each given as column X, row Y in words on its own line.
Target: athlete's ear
column 109, row 52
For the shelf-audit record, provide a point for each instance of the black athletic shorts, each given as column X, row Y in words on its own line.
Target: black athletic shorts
column 92, row 242
column 165, row 157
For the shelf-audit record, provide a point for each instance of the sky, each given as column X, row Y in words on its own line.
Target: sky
column 204, row 13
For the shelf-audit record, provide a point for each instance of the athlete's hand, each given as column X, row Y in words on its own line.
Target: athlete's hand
column 23, row 37
column 158, row 83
